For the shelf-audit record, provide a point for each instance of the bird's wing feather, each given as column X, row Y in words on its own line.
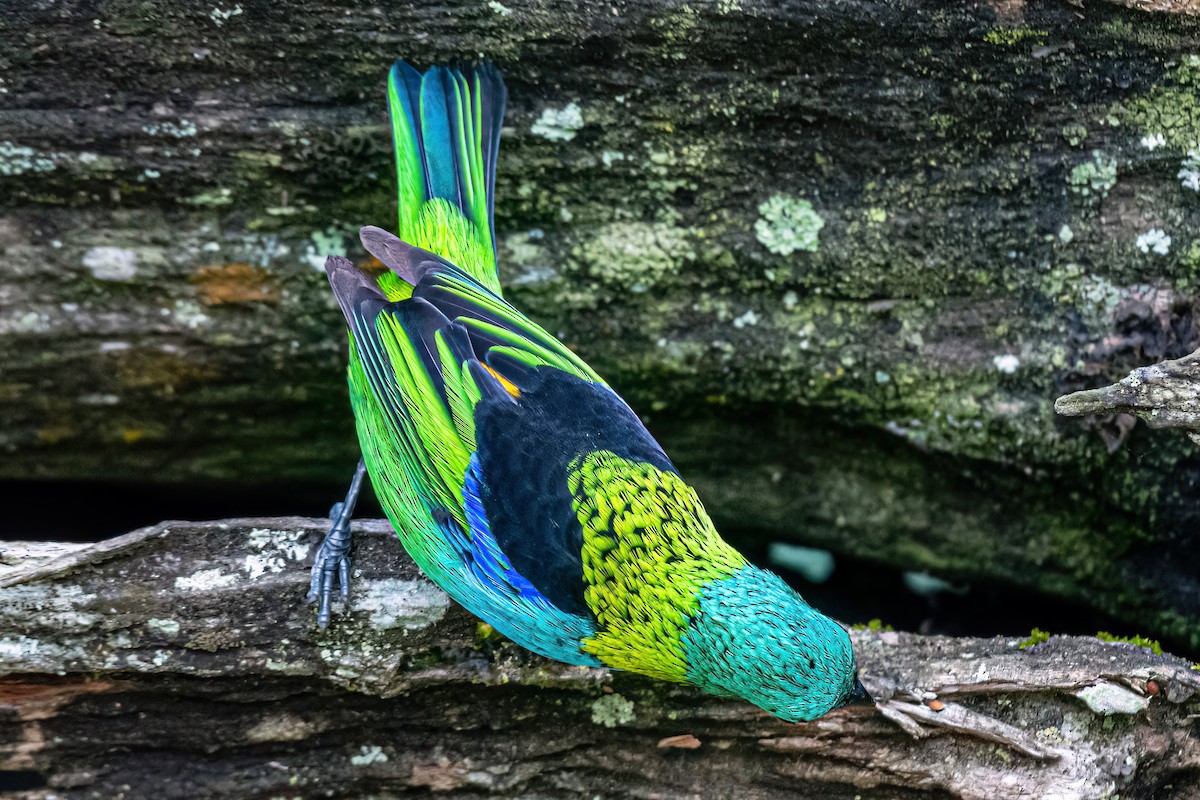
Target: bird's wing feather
column 493, row 323
column 416, row 381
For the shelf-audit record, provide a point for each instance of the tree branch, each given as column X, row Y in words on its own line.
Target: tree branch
column 1165, row 395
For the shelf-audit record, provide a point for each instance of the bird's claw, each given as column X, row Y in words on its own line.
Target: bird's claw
column 332, row 564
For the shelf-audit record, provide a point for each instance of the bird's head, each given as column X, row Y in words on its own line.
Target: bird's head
column 754, row 637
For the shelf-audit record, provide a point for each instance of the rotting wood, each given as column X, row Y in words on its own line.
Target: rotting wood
column 187, row 646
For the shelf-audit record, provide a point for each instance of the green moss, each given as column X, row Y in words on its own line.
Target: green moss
column 1074, row 133
column 788, row 224
column 1093, row 296
column 1093, row 179
column 1140, row 641
column 677, row 32
column 1087, row 549
column 874, row 626
column 1011, row 36
column 941, row 124
column 1170, row 108
column 1189, row 260
column 1036, row 636
column 214, row 198
column 258, row 158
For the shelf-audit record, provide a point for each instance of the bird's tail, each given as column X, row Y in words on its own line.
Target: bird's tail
column 446, row 131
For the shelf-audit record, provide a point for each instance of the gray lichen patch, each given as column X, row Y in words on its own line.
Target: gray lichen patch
column 1107, row 698
column 72, row 607
column 406, row 604
column 282, row 728
column 332, row 241
column 528, row 262
column 1189, row 170
column 788, row 224
column 612, row 710
column 274, row 551
column 183, row 129
column 16, row 159
column 205, row 580
column 1155, row 241
column 111, row 263
column 636, row 256
column 559, row 124
column 17, row 650
column 167, row 627
column 368, row 755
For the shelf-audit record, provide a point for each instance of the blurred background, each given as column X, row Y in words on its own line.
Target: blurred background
column 841, row 257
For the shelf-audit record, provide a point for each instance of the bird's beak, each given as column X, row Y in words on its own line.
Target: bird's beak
column 858, row 696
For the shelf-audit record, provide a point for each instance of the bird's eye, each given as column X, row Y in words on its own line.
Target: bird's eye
column 812, row 663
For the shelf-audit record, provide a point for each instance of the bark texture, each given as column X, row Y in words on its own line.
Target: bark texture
column 1166, row 395
column 842, row 256
column 180, row 660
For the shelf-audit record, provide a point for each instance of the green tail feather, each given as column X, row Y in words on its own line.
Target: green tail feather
column 446, row 131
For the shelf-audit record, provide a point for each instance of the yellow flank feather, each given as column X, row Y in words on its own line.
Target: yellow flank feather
column 648, row 550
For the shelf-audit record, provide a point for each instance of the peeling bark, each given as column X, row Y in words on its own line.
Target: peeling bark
column 180, row 660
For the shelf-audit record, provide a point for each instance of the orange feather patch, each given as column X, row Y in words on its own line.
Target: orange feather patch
column 505, row 382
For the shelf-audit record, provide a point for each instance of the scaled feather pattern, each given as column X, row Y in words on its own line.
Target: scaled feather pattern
column 515, row 477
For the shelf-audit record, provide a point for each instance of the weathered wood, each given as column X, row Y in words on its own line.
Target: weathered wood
column 1165, row 395
column 180, row 660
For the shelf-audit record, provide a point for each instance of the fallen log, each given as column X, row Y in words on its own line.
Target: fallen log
column 180, row 660
column 842, row 256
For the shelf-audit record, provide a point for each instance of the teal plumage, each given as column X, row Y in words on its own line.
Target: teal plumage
column 517, row 479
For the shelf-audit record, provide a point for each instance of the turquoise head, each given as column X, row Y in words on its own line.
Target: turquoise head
column 755, row 638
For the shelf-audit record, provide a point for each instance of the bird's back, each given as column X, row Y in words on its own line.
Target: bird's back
column 516, row 478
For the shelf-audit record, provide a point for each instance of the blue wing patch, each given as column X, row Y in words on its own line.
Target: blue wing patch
column 489, row 562
column 481, row 578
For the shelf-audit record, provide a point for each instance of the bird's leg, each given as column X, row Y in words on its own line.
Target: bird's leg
column 333, row 556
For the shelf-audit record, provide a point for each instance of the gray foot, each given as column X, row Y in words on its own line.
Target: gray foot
column 332, row 564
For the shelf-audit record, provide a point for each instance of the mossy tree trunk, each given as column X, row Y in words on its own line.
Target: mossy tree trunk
column 842, row 256
column 180, row 660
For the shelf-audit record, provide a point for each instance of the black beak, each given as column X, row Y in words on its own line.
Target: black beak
column 858, row 696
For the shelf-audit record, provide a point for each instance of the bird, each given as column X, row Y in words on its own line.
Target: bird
column 517, row 479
